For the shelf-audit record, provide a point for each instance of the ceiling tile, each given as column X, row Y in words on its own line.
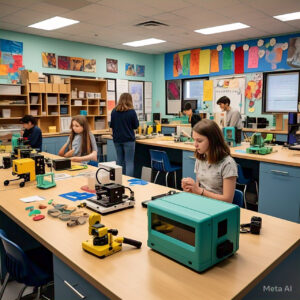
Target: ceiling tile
column 7, row 9
column 9, row 26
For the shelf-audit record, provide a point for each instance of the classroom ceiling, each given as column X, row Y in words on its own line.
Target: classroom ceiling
column 110, row 23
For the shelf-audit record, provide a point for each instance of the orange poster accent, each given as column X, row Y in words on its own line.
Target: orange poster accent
column 194, row 63
column 3, row 70
column 214, row 61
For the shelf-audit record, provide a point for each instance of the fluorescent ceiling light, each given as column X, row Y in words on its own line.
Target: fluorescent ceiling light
column 146, row 42
column 222, row 28
column 53, row 23
column 288, row 17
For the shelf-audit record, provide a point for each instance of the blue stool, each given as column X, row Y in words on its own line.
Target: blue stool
column 238, row 198
column 160, row 163
column 23, row 269
column 244, row 181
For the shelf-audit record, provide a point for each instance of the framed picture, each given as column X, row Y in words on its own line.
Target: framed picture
column 129, row 69
column 89, row 65
column 64, row 62
column 111, row 65
column 173, row 93
column 76, row 63
column 48, row 60
column 140, row 70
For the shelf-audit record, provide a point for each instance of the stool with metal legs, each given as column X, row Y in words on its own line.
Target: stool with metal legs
column 160, row 163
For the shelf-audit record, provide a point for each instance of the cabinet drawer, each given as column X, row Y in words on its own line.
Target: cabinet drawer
column 280, row 170
column 188, row 164
column 70, row 285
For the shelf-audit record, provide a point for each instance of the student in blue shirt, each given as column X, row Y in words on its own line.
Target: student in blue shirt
column 123, row 122
column 32, row 132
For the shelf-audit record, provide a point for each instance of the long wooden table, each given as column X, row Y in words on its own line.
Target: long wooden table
column 143, row 273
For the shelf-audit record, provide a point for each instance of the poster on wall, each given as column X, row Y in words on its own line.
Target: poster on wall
column 89, row 65
column 293, row 59
column 136, row 89
column 11, row 60
column 173, row 96
column 129, row 70
column 48, row 60
column 76, row 63
column 111, row 65
column 140, row 70
column 63, row 62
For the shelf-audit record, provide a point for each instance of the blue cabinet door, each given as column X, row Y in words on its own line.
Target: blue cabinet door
column 168, row 130
column 111, row 151
column 59, row 142
column 70, row 285
column 279, row 193
column 188, row 164
column 49, row 146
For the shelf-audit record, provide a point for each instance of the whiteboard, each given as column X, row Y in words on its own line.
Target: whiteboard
column 234, row 89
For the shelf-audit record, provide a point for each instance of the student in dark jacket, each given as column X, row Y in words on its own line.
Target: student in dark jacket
column 123, row 122
column 32, row 132
column 193, row 118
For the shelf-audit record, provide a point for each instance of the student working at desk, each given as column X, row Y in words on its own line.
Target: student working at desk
column 216, row 170
column 81, row 144
column 233, row 117
column 32, row 132
column 193, row 118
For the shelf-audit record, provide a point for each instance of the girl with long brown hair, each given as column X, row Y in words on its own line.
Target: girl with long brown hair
column 123, row 122
column 216, row 170
column 81, row 144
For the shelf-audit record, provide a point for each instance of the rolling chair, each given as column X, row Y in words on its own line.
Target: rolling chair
column 244, row 181
column 22, row 269
column 238, row 198
column 160, row 163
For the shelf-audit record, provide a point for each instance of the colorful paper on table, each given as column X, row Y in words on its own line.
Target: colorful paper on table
column 194, row 63
column 240, row 151
column 75, row 196
column 227, row 59
column 214, row 61
column 136, row 181
column 207, row 90
column 204, row 61
column 253, row 57
column 239, row 60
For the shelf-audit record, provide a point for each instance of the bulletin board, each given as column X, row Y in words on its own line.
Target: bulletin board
column 233, row 88
column 136, row 89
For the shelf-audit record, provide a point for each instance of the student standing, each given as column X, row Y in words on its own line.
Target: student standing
column 215, row 169
column 193, row 118
column 123, row 122
column 233, row 117
column 32, row 132
column 81, row 145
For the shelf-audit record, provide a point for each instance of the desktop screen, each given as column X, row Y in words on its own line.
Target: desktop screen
column 281, row 92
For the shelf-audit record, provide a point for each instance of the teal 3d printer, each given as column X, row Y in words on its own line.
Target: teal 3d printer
column 193, row 230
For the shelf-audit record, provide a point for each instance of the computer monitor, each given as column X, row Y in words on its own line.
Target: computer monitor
column 281, row 92
column 192, row 102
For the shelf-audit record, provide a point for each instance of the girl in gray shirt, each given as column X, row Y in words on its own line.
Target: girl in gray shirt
column 81, row 144
column 216, row 170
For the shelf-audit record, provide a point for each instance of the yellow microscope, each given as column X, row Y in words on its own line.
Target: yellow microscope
column 103, row 243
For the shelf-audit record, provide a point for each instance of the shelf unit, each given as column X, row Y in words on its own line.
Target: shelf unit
column 49, row 107
column 17, row 111
column 96, row 108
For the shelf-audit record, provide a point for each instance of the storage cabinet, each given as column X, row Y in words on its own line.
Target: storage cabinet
column 188, row 164
column 70, row 285
column 111, row 151
column 279, row 193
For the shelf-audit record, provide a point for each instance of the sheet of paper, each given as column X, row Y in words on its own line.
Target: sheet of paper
column 32, row 199
column 111, row 96
column 111, row 85
column 122, row 87
column 61, row 176
column 148, row 89
column 148, row 105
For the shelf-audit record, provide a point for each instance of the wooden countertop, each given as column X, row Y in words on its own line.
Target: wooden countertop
column 175, row 125
column 145, row 274
column 280, row 155
column 104, row 131
column 265, row 130
column 7, row 173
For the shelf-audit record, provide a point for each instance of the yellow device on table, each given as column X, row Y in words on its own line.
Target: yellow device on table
column 103, row 243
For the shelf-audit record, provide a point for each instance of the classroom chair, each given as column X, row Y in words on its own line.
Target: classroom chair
column 238, row 198
column 22, row 267
column 160, row 163
column 244, row 181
